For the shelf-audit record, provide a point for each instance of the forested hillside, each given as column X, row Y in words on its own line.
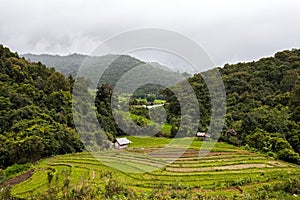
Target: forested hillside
column 263, row 104
column 35, row 111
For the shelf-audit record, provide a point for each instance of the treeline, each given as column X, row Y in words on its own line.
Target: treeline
column 35, row 111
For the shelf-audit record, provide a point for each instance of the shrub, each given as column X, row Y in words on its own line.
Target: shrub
column 113, row 187
column 280, row 144
column 271, row 154
column 5, row 194
column 1, row 176
column 281, row 190
column 289, row 156
column 15, row 169
column 290, row 186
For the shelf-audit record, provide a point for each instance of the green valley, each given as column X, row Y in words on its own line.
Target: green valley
column 44, row 156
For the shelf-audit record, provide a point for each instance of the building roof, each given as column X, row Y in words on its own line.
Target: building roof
column 153, row 106
column 123, row 141
column 203, row 134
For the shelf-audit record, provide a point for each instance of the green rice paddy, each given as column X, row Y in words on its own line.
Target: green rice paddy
column 151, row 163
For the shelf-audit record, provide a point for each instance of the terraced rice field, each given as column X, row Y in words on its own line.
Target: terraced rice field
column 146, row 165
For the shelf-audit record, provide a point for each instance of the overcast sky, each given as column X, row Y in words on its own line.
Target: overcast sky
column 229, row 30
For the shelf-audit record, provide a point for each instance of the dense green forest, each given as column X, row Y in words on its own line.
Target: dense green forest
column 36, row 117
column 263, row 101
column 263, row 104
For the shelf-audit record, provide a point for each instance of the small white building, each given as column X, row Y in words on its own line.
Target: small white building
column 122, row 143
column 203, row 135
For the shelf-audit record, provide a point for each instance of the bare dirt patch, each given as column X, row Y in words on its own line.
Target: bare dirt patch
column 93, row 174
column 189, row 154
column 227, row 167
column 17, row 179
column 277, row 163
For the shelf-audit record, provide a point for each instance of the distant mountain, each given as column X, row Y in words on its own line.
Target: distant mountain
column 65, row 64
column 159, row 66
column 111, row 68
column 71, row 63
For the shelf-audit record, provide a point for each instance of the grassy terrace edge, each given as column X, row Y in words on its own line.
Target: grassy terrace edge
column 226, row 172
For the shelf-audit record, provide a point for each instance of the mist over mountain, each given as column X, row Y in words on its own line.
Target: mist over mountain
column 70, row 64
column 110, row 68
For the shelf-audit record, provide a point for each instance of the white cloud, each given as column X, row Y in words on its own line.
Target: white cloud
column 230, row 30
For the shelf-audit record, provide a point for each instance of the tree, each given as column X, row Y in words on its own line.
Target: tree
column 56, row 82
column 150, row 98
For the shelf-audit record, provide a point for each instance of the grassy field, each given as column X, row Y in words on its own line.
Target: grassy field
column 224, row 171
column 156, row 101
column 165, row 129
column 159, row 101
